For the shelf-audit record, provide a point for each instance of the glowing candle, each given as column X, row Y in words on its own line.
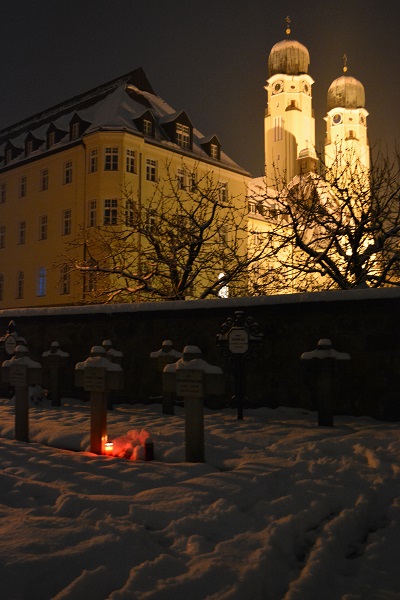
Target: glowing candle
column 108, row 448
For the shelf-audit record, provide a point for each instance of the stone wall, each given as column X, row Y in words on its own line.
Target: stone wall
column 364, row 323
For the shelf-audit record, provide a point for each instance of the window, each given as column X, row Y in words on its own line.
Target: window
column 214, row 153
column 223, row 191
column 43, row 220
column 9, row 155
column 3, row 192
column 181, row 179
column 252, row 208
column 1, row 286
column 129, row 213
column 151, row 221
column 183, row 135
column 20, row 285
column 192, row 182
column 93, row 161
column 147, row 127
column 151, row 169
column 2, row 236
column 66, row 222
column 111, row 211
column 21, row 232
column 92, row 213
column 75, row 131
column 67, row 172
column 130, row 161
column 65, row 280
column 278, row 130
column 28, row 147
column 111, row 159
column 22, row 187
column 90, row 282
column 51, row 139
column 41, row 282
column 44, row 180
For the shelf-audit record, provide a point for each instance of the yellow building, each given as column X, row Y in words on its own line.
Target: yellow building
column 67, row 167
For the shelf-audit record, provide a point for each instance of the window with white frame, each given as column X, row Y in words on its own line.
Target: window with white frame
column 110, row 211
column 129, row 213
column 92, row 220
column 20, row 285
column 151, row 169
column 75, row 130
column 65, row 280
column 130, row 161
column 3, row 192
column 21, row 232
column 23, row 182
column 252, row 208
column 181, row 178
column 223, row 191
column 192, row 182
column 2, row 236
column 147, row 127
column 51, row 139
column 44, row 180
column 67, row 172
column 93, row 161
column 183, row 135
column 111, row 158
column 1, row 286
column 214, row 151
column 66, row 227
column 41, row 282
column 43, row 221
column 150, row 221
column 90, row 282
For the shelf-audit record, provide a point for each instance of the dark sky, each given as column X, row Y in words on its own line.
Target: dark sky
column 206, row 56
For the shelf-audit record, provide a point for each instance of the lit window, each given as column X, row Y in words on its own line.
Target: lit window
column 22, row 187
column 111, row 159
column 43, row 220
column 1, row 286
column 92, row 213
column 21, row 232
column 44, row 180
column 93, row 161
column 65, row 280
column 20, row 285
column 111, row 211
column 2, row 236
column 66, row 222
column 130, row 161
column 41, row 282
column 151, row 169
column 147, row 127
column 183, row 135
column 3, row 193
column 67, row 172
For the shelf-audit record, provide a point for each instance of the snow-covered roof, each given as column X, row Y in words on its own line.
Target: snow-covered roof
column 116, row 105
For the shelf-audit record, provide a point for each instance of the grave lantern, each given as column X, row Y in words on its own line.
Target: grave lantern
column 192, row 378
column 327, row 365
column 20, row 372
column 98, row 375
column 54, row 361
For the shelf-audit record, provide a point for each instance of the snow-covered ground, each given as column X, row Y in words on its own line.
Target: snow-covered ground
column 281, row 508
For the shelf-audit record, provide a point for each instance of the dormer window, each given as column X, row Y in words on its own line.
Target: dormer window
column 9, row 155
column 212, row 147
column 75, row 131
column 214, row 151
column 183, row 135
column 51, row 139
column 28, row 147
column 147, row 127
column 77, row 127
column 145, row 123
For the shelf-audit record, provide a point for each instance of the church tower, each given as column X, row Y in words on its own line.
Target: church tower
column 346, row 123
column 289, row 126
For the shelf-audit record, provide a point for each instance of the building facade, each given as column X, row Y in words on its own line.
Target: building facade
column 66, row 168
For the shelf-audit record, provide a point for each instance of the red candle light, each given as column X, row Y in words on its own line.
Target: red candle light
column 108, row 448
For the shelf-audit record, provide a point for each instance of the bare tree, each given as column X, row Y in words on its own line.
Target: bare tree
column 338, row 228
column 188, row 240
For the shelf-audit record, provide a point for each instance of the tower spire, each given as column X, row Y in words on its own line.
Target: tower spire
column 288, row 30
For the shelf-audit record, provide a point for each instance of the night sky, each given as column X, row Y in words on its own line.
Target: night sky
column 208, row 57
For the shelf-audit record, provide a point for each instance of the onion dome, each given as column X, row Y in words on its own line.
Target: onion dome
column 288, row 57
column 346, row 92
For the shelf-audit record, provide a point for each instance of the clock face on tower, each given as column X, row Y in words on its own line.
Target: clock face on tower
column 277, row 87
column 336, row 119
